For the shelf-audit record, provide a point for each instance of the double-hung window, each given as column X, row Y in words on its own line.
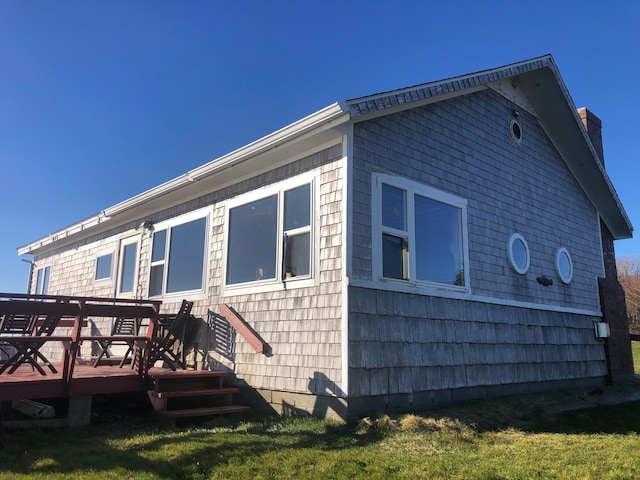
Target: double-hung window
column 270, row 238
column 178, row 255
column 419, row 234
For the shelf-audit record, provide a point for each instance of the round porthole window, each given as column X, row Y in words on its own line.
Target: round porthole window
column 564, row 265
column 518, row 252
column 516, row 131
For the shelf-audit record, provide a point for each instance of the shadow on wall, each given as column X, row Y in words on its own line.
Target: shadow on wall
column 216, row 334
column 223, row 336
column 204, row 335
column 327, row 401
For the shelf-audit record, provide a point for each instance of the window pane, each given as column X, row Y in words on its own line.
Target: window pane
column 252, row 245
column 45, row 281
column 159, row 244
column 519, row 252
column 298, row 257
column 297, row 207
column 394, row 257
column 128, row 268
column 438, row 242
column 563, row 265
column 186, row 256
column 155, row 280
column 39, row 281
column 103, row 267
column 393, row 207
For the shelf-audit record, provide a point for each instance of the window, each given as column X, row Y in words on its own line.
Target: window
column 516, row 131
column 518, row 252
column 564, row 265
column 42, row 280
column 269, row 238
column 421, row 234
column 178, row 255
column 127, row 267
column 103, row 266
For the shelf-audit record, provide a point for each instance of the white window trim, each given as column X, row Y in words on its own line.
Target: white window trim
column 123, row 242
column 512, row 260
column 277, row 283
column 566, row 280
column 175, row 222
column 377, row 229
column 109, row 279
column 43, row 269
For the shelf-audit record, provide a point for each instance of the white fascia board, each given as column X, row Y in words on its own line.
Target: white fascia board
column 325, row 119
column 273, row 140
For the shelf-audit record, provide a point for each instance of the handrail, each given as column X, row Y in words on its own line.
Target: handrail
column 243, row 328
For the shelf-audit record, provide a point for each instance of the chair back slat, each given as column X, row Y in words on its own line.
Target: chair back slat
column 47, row 326
column 175, row 328
column 17, row 324
column 164, row 343
column 125, row 326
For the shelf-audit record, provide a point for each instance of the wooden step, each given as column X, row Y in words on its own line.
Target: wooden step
column 186, row 380
column 160, row 374
column 199, row 412
column 196, row 393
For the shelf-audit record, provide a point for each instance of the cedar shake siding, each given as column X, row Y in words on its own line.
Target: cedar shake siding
column 302, row 326
column 411, row 349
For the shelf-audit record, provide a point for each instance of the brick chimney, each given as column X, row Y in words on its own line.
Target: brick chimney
column 612, row 300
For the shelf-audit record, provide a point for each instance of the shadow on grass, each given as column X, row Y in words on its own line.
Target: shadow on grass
column 125, row 440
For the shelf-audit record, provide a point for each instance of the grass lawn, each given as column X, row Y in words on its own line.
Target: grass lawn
column 513, row 438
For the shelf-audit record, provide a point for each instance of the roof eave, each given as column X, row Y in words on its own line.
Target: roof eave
column 312, row 125
column 559, row 118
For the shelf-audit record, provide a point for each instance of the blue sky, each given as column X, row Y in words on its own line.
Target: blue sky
column 100, row 101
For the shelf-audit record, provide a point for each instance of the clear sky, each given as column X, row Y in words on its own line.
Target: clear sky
column 102, row 100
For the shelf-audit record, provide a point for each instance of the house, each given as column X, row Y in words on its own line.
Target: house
column 442, row 242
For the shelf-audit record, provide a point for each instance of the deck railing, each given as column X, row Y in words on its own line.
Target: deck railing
column 76, row 312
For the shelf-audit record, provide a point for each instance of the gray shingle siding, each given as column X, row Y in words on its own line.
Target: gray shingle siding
column 302, row 326
column 408, row 343
column 463, row 146
column 440, row 344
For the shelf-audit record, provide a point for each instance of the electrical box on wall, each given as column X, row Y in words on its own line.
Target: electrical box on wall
column 602, row 329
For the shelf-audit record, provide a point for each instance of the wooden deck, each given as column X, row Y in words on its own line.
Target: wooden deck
column 76, row 376
column 26, row 383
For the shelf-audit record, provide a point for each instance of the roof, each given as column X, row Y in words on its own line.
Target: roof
column 535, row 84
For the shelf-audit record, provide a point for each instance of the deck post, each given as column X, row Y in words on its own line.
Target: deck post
column 79, row 410
column 72, row 353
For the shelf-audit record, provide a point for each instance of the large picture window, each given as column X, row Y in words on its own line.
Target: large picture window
column 420, row 234
column 269, row 238
column 178, row 256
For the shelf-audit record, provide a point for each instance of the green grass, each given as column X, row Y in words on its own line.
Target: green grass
column 512, row 438
column 635, row 347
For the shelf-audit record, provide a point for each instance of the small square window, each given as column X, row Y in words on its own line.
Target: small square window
column 103, row 266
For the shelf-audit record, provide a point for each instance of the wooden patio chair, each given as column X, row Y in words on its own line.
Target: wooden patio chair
column 28, row 349
column 170, row 334
column 14, row 324
column 124, row 327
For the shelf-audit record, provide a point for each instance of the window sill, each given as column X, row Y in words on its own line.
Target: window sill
column 232, row 291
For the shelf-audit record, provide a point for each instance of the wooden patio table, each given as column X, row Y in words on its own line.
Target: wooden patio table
column 69, row 311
